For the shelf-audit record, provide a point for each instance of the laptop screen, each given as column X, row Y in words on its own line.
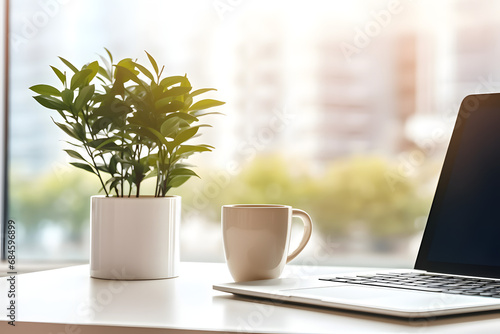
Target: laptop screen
column 462, row 235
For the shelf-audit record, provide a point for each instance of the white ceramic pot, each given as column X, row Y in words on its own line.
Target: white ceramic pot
column 134, row 238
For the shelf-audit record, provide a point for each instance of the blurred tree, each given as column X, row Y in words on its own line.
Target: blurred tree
column 363, row 191
column 60, row 197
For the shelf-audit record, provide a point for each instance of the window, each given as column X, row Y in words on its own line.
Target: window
column 342, row 109
column 3, row 113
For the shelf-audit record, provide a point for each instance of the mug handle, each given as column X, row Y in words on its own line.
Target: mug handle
column 306, row 219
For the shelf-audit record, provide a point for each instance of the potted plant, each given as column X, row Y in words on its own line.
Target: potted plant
column 128, row 124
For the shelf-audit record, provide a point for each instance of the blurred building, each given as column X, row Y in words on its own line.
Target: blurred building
column 342, row 105
column 355, row 115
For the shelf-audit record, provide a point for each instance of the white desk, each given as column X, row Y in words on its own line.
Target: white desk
column 69, row 301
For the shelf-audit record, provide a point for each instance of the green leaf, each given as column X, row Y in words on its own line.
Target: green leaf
column 84, row 97
column 67, row 96
column 109, row 55
column 162, row 106
column 100, row 124
column 162, row 139
column 184, row 116
column 178, row 181
column 152, row 159
column 170, row 81
column 128, row 64
column 172, row 107
column 84, row 167
column 205, row 104
column 73, row 144
column 145, row 71
column 94, row 67
column 106, row 142
column 80, row 78
column 67, row 129
column 200, row 91
column 177, row 91
column 188, row 100
column 123, row 74
column 171, row 124
column 59, row 74
column 79, row 131
column 153, row 62
column 185, row 135
column 75, row 154
column 183, row 149
column 45, row 90
column 170, row 127
column 103, row 168
column 114, row 182
column 111, row 108
column 186, row 82
column 51, row 102
column 67, row 63
column 113, row 162
column 183, row 171
column 104, row 72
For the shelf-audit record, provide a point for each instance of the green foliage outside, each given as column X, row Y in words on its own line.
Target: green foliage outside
column 359, row 190
column 346, row 192
column 62, row 198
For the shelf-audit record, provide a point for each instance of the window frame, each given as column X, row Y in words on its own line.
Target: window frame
column 4, row 107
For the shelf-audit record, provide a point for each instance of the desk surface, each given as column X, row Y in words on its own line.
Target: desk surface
column 68, row 300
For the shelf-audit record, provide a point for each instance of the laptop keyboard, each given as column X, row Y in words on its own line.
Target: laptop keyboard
column 426, row 282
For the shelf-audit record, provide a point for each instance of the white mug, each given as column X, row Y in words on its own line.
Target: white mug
column 256, row 239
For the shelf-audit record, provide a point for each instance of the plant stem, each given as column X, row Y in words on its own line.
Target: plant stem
column 122, row 169
column 87, row 148
column 138, row 189
column 168, row 172
column 160, row 168
column 95, row 166
column 139, row 178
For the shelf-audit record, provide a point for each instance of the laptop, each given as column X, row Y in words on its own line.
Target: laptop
column 457, row 269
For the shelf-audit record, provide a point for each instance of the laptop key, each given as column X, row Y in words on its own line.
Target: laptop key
column 426, row 282
column 457, row 292
column 470, row 293
column 486, row 294
column 451, row 286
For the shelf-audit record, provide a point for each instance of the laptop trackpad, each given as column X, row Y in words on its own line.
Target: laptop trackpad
column 388, row 298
